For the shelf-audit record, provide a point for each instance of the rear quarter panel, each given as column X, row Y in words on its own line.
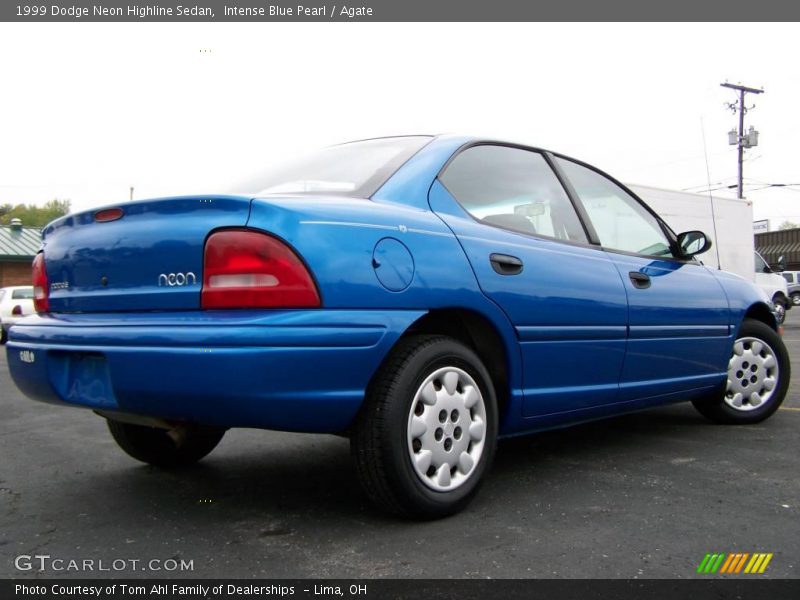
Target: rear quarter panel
column 337, row 237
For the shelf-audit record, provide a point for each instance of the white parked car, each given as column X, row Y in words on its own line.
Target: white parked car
column 15, row 302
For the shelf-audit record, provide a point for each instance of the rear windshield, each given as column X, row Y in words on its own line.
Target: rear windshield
column 23, row 294
column 354, row 169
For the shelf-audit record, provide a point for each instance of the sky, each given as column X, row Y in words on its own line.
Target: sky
column 88, row 110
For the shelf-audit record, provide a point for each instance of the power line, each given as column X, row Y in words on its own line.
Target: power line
column 792, row 187
column 767, row 183
column 703, row 186
column 714, row 189
column 721, row 185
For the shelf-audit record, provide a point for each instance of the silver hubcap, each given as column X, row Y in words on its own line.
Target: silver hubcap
column 752, row 374
column 446, row 429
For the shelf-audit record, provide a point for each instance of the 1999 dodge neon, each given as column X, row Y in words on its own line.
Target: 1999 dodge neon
column 422, row 295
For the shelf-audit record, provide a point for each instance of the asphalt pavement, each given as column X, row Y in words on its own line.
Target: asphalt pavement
column 645, row 495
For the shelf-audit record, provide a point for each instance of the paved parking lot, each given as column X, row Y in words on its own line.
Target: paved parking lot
column 645, row 495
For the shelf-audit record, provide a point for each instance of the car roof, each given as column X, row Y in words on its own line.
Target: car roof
column 466, row 139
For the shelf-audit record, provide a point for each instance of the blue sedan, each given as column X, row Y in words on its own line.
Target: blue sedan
column 423, row 295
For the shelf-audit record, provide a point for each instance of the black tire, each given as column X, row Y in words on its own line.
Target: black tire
column 380, row 442
column 155, row 446
column 715, row 406
column 3, row 335
column 795, row 297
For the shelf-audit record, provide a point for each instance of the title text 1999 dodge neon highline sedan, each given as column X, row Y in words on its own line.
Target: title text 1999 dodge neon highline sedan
column 422, row 295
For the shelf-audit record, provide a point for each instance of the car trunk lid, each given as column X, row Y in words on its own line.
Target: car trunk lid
column 148, row 258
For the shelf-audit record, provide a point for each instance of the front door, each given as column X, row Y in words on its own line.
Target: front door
column 679, row 330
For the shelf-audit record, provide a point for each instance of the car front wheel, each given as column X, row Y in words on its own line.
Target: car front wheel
column 427, row 432
column 796, row 298
column 179, row 447
column 758, row 377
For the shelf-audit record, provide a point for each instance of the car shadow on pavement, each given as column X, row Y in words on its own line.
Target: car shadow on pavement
column 295, row 477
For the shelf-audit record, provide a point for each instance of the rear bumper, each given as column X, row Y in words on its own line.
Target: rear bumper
column 303, row 370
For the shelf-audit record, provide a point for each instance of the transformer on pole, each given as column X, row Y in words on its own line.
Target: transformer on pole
column 741, row 138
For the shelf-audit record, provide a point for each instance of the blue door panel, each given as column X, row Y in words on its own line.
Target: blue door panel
column 568, row 306
column 679, row 329
column 570, row 375
column 661, row 366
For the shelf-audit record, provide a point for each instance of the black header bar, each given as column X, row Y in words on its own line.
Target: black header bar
column 461, row 589
column 400, row 10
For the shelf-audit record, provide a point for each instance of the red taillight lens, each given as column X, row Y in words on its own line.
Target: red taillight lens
column 17, row 311
column 108, row 214
column 41, row 289
column 249, row 269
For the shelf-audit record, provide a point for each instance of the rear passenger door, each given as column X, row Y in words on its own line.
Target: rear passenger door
column 679, row 334
column 531, row 256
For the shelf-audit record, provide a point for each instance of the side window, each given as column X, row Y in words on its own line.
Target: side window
column 513, row 189
column 620, row 221
column 22, row 294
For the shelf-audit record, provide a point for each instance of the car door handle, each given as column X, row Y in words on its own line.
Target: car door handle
column 503, row 264
column 639, row 280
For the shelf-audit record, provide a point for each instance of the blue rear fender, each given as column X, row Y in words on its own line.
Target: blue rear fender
column 340, row 240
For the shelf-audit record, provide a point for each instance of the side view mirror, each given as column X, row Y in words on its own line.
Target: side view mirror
column 693, row 242
column 780, row 266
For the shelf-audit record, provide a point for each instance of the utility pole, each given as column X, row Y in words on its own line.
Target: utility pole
column 739, row 138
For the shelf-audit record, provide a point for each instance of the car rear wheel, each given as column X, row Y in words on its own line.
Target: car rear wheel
column 758, row 377
column 427, row 432
column 178, row 447
column 796, row 298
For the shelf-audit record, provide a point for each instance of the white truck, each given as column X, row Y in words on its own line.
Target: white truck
column 733, row 247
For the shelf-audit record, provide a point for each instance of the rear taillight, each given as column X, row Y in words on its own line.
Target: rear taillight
column 248, row 269
column 16, row 311
column 41, row 289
